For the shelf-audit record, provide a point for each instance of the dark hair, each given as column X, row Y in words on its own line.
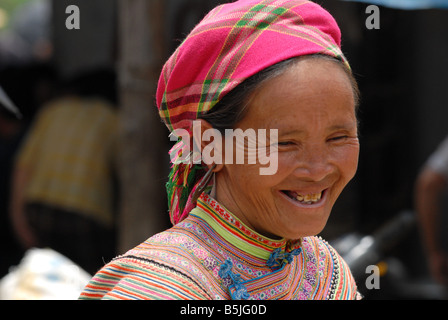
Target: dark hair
column 231, row 109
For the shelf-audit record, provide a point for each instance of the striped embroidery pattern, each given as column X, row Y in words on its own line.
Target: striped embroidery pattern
column 149, row 280
column 236, row 228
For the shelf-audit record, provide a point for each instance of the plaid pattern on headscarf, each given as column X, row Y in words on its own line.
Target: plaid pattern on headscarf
column 233, row 42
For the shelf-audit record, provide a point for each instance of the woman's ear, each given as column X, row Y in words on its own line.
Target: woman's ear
column 209, row 142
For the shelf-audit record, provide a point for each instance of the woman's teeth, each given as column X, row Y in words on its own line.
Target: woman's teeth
column 309, row 198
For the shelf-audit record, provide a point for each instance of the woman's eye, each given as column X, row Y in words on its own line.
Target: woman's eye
column 285, row 143
column 338, row 138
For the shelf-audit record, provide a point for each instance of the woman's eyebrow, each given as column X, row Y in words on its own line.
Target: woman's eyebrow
column 344, row 126
column 291, row 132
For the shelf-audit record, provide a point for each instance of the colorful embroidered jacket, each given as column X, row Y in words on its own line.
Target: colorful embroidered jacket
column 212, row 255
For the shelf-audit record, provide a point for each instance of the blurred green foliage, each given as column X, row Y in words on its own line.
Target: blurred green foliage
column 7, row 7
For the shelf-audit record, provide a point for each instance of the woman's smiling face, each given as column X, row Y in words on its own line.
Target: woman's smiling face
column 312, row 106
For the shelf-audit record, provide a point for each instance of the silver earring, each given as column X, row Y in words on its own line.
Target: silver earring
column 203, row 183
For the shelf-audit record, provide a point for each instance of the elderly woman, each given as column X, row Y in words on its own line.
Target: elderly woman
column 273, row 65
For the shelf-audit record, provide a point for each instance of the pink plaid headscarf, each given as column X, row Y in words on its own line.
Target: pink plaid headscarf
column 233, row 42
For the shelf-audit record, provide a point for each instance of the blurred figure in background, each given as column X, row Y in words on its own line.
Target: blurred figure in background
column 431, row 190
column 27, row 87
column 11, row 132
column 63, row 188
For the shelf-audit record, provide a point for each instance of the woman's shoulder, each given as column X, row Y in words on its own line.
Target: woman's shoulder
column 133, row 278
column 331, row 265
column 320, row 247
column 155, row 269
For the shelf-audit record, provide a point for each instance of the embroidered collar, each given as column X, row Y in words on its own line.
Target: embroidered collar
column 238, row 234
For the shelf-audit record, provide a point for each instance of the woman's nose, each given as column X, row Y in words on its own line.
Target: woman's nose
column 313, row 164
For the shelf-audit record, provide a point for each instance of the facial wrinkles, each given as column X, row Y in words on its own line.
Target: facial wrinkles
column 254, row 146
column 244, row 199
column 245, row 146
column 237, row 190
column 312, row 148
column 265, row 216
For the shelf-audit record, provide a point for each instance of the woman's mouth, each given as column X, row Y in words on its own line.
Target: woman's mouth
column 304, row 198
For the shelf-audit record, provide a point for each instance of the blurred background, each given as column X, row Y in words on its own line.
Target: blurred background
column 402, row 72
